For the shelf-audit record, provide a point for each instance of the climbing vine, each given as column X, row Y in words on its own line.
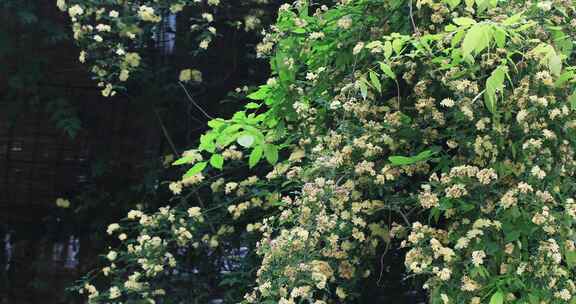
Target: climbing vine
column 457, row 117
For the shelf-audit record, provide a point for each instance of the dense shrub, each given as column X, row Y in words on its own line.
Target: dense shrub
column 456, row 116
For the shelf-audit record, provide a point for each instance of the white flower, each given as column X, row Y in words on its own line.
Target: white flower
column 112, row 255
column 544, row 5
column 103, row 28
column 185, row 75
column 114, row 292
column 176, row 8
column 358, row 48
column 124, row 75
column 316, row 35
column 447, row 102
column 478, row 257
column 112, row 227
column 75, row 10
column 251, row 23
column 445, row 298
column 188, row 74
column 537, row 172
column 82, row 57
column 146, row 13
column 176, row 187
column 134, row 214
column 63, row 203
column 204, row 44
column 345, row 22
column 445, row 274
column 108, row 91
column 485, row 176
column 341, row 293
column 194, row 212
column 113, row 14
column 61, row 4
column 208, row 17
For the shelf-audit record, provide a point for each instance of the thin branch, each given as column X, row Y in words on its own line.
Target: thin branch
column 194, row 103
column 414, row 26
column 383, row 255
column 166, row 134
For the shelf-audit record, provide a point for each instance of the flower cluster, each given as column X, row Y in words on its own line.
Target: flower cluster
column 112, row 34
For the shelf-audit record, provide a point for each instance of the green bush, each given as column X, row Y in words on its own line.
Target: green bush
column 455, row 118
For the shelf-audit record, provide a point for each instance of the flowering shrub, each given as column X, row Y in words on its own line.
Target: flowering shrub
column 111, row 34
column 458, row 116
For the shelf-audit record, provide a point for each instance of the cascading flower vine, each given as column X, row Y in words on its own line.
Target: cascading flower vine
column 458, row 116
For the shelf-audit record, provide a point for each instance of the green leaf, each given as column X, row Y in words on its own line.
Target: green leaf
column 207, row 142
column 404, row 160
column 464, row 21
column 261, row 94
column 252, row 105
column 255, row 156
column 465, row 207
column 363, row 88
column 216, row 123
column 398, row 44
column 452, row 3
column 217, row 161
column 512, row 19
column 500, row 37
column 555, row 64
column 271, row 153
column 571, row 259
column 533, row 299
column 375, row 81
column 387, row 49
column 226, row 138
column 197, row 168
column 458, row 36
column 387, row 70
column 511, row 231
column 182, row 161
column 245, row 140
column 572, row 100
column 566, row 76
column 494, row 83
column 497, row 298
column 477, row 39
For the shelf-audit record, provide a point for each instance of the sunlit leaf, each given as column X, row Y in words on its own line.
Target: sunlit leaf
column 497, row 298
column 387, row 70
column 245, row 141
column 271, row 153
column 217, row 161
column 255, row 156
column 197, row 168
